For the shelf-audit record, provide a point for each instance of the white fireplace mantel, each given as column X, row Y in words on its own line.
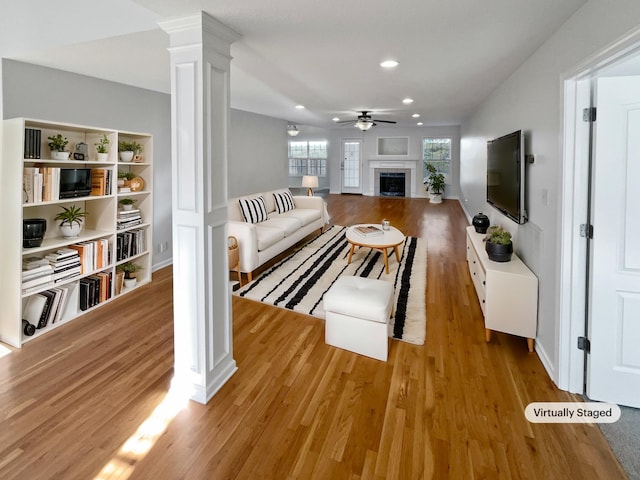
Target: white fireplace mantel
column 411, row 165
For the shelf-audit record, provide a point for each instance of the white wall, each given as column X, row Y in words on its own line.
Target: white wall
column 370, row 140
column 47, row 94
column 312, row 134
column 257, row 153
column 531, row 99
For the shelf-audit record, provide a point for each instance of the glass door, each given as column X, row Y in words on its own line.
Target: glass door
column 351, row 166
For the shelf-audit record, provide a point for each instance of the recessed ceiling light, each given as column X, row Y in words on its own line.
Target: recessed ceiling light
column 419, row 124
column 415, row 115
column 407, row 101
column 300, row 107
column 389, row 64
column 335, row 119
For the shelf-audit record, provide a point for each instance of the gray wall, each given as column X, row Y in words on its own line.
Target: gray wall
column 257, row 153
column 532, row 100
column 47, row 94
column 310, row 134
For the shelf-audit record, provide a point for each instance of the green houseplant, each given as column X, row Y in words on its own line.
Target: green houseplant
column 71, row 219
column 498, row 244
column 57, row 144
column 101, row 148
column 127, row 203
column 128, row 149
column 435, row 184
column 129, row 269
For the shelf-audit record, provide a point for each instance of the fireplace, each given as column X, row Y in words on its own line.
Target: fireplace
column 392, row 184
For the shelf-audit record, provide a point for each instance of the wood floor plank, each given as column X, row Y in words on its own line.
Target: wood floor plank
column 72, row 401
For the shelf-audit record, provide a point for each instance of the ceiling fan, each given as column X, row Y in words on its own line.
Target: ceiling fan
column 364, row 121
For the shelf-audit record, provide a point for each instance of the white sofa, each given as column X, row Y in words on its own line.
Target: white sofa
column 260, row 242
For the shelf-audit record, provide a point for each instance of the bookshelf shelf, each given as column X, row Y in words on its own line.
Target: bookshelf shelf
column 85, row 266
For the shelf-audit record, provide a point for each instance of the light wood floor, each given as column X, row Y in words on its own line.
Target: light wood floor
column 296, row 408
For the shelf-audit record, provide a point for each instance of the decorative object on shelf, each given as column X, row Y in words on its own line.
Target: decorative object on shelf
column 386, row 224
column 82, row 151
column 28, row 328
column 311, row 182
column 435, row 184
column 138, row 159
column 71, row 221
column 57, row 145
column 498, row 244
column 33, row 230
column 128, row 150
column 136, row 184
column 101, row 148
column 127, row 203
column 480, row 222
column 292, row 130
column 129, row 269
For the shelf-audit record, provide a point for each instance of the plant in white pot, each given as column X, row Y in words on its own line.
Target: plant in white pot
column 128, row 150
column 127, row 203
column 435, row 184
column 101, row 148
column 71, row 219
column 57, row 144
column 129, row 269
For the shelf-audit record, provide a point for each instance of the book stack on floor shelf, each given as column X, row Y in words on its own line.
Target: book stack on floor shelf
column 52, row 281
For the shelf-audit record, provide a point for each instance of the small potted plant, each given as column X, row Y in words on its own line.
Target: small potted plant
column 435, row 184
column 128, row 150
column 498, row 244
column 57, row 144
column 71, row 219
column 101, row 148
column 124, row 178
column 129, row 269
column 127, row 203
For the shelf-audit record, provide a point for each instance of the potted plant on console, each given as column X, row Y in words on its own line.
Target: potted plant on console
column 71, row 219
column 498, row 244
column 129, row 269
column 435, row 184
column 57, row 145
column 101, row 148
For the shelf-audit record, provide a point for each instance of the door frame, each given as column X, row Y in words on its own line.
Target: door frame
column 351, row 140
column 573, row 184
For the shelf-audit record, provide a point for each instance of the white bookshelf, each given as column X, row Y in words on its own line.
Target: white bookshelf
column 100, row 223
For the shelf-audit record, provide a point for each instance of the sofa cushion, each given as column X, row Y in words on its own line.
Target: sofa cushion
column 284, row 201
column 253, row 209
column 286, row 224
column 268, row 236
column 305, row 215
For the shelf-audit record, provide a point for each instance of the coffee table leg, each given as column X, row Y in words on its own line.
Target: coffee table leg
column 397, row 253
column 386, row 261
column 351, row 253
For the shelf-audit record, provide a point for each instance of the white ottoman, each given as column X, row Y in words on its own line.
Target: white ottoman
column 357, row 312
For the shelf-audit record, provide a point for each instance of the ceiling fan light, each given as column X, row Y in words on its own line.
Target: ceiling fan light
column 292, row 130
column 364, row 125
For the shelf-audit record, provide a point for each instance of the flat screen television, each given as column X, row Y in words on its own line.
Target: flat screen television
column 506, row 172
column 75, row 182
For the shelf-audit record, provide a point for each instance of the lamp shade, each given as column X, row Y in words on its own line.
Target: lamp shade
column 310, row 181
column 364, row 125
column 292, row 130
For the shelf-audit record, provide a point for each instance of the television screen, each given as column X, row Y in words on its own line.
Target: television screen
column 75, row 182
column 506, row 175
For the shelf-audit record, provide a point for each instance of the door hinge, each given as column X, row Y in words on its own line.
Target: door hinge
column 589, row 114
column 586, row 231
column 584, row 344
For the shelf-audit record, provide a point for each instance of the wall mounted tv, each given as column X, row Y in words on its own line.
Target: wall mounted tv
column 506, row 175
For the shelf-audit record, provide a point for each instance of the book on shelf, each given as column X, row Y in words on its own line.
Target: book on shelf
column 32, row 137
column 99, row 181
column 368, row 230
column 29, row 263
column 32, row 308
column 130, row 243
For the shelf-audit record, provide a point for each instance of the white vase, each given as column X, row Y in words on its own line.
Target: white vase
column 102, row 157
column 126, row 208
column 130, row 282
column 435, row 197
column 70, row 231
column 126, row 156
column 60, row 155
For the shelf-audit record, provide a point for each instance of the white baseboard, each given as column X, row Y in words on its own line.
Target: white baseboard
column 157, row 266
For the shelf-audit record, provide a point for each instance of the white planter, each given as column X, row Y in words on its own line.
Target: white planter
column 126, row 156
column 60, row 155
column 70, row 231
column 126, row 208
column 435, row 197
column 130, row 282
column 102, row 157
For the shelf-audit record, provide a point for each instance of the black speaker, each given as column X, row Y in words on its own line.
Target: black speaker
column 33, row 230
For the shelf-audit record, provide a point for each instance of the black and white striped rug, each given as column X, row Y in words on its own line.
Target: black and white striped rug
column 300, row 281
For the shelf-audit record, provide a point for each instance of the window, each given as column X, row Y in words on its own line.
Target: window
column 308, row 158
column 437, row 152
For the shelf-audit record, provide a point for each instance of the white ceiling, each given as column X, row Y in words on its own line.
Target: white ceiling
column 324, row 55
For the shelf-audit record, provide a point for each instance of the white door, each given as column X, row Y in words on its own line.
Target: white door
column 613, row 372
column 351, row 166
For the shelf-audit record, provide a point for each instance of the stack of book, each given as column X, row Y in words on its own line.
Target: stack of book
column 130, row 243
column 45, row 307
column 368, row 230
column 128, row 218
column 41, row 184
column 65, row 263
column 95, row 289
column 94, row 255
column 32, row 138
column 100, row 181
column 36, row 272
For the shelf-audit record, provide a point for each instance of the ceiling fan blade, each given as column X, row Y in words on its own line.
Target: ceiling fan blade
column 384, row 121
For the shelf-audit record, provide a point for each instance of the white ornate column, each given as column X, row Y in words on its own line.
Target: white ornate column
column 200, row 62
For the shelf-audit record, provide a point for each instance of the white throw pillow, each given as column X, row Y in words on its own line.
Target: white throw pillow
column 284, row 201
column 253, row 209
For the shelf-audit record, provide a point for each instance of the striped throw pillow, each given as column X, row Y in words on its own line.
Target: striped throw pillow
column 284, row 201
column 253, row 209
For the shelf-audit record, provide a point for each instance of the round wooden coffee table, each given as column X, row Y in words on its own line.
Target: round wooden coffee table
column 391, row 238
